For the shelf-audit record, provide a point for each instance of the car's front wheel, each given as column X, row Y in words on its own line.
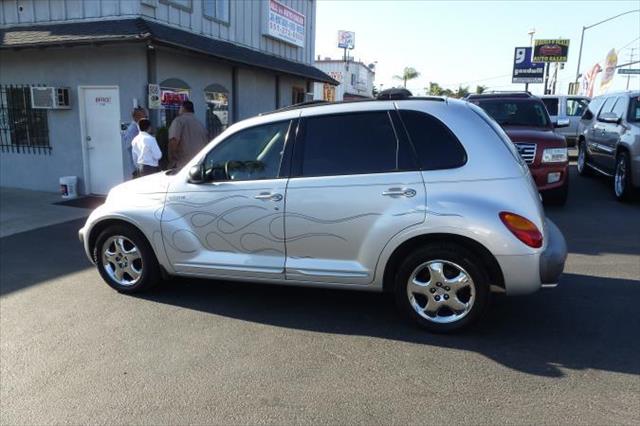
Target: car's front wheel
column 581, row 164
column 442, row 287
column 125, row 259
column 622, row 184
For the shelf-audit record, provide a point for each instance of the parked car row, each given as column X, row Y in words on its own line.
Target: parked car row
column 526, row 120
column 606, row 131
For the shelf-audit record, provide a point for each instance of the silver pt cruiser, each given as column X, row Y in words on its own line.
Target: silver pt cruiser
column 426, row 198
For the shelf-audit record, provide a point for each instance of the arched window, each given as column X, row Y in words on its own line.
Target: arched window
column 217, row 99
column 173, row 92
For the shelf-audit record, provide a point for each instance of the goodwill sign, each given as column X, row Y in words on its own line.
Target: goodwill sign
column 285, row 24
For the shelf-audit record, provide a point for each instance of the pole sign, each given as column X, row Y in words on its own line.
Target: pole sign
column 525, row 71
column 555, row 50
column 628, row 70
column 346, row 39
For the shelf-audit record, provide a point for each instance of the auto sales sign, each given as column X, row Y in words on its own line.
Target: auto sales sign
column 525, row 71
column 285, row 24
column 556, row 50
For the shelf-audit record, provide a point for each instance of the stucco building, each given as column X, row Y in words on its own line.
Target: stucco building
column 95, row 60
column 355, row 80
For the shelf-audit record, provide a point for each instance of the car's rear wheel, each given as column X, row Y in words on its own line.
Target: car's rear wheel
column 581, row 164
column 125, row 259
column 442, row 287
column 622, row 184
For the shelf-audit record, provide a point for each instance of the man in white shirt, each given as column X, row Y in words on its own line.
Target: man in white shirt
column 137, row 114
column 145, row 150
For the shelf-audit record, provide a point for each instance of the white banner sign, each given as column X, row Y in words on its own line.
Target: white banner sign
column 286, row 24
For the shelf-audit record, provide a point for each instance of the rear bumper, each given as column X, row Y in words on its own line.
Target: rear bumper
column 553, row 257
column 525, row 274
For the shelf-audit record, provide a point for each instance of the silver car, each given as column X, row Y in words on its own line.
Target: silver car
column 566, row 111
column 425, row 198
column 610, row 141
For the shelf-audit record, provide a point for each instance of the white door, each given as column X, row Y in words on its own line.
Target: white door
column 101, row 121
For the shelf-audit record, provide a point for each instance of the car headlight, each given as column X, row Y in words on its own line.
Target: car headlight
column 554, row 155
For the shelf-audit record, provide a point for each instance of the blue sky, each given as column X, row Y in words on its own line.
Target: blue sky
column 472, row 43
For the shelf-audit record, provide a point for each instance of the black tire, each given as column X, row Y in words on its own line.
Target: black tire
column 147, row 262
column 455, row 254
column 583, row 162
column 557, row 196
column 623, row 166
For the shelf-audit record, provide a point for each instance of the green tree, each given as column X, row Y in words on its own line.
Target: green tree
column 434, row 89
column 461, row 92
column 480, row 89
column 409, row 73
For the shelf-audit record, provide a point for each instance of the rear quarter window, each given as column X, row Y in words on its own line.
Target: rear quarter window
column 436, row 146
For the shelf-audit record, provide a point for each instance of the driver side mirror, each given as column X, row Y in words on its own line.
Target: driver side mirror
column 196, row 174
column 562, row 122
column 609, row 117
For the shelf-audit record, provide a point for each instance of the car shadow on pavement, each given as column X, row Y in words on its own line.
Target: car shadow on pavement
column 587, row 323
column 34, row 257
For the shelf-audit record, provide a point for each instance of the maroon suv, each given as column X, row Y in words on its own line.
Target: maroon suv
column 526, row 120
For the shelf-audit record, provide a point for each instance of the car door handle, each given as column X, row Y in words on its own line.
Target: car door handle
column 268, row 196
column 400, row 192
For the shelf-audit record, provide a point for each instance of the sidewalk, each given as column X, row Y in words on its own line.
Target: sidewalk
column 23, row 210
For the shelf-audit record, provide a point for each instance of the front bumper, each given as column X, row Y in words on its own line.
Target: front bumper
column 553, row 257
column 541, row 173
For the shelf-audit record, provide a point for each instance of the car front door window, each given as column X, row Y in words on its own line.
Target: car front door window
column 250, row 154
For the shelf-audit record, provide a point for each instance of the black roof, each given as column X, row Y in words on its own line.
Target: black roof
column 139, row 29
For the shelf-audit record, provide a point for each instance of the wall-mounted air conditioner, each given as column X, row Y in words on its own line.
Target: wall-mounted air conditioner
column 50, row 97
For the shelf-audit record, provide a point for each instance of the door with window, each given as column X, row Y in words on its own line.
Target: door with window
column 354, row 185
column 598, row 150
column 232, row 224
column 612, row 133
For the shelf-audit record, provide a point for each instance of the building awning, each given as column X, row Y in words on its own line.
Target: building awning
column 139, row 29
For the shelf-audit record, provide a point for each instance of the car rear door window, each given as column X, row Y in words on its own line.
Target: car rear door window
column 436, row 146
column 552, row 105
column 346, row 144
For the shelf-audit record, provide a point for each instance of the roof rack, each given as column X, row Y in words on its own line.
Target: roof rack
column 496, row 93
column 386, row 95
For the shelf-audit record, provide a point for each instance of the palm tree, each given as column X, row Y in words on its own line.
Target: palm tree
column 409, row 73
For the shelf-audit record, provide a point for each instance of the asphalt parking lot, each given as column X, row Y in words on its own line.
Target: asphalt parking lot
column 74, row 351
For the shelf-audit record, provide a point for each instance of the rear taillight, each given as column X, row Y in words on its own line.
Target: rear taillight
column 524, row 230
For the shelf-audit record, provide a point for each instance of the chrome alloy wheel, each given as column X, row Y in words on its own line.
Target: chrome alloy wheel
column 441, row 291
column 121, row 260
column 621, row 176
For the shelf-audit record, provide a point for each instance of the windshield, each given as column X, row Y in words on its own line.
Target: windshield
column 509, row 112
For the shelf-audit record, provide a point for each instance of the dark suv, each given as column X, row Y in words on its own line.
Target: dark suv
column 526, row 120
